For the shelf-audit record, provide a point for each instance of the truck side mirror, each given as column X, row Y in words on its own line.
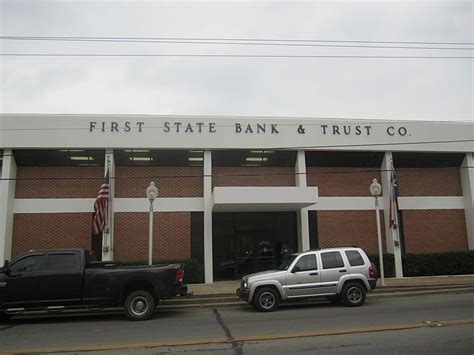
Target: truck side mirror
column 6, row 267
column 296, row 269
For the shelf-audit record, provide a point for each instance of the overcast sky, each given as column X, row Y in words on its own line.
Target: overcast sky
column 427, row 89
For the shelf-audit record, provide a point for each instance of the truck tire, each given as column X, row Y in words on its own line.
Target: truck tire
column 4, row 316
column 266, row 299
column 139, row 305
column 353, row 294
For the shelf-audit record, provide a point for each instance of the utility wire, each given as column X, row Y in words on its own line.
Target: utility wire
column 227, row 56
column 327, row 172
column 227, row 39
column 286, row 44
column 359, row 145
column 355, row 145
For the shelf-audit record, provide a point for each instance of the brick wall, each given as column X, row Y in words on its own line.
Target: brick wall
column 50, row 231
column 58, row 182
column 253, row 176
column 428, row 231
column 338, row 181
column 170, row 181
column 171, row 236
column 429, row 182
column 346, row 228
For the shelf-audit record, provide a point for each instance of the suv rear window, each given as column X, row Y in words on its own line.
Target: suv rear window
column 354, row 257
column 332, row 260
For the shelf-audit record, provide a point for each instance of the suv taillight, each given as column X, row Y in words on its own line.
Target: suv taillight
column 372, row 273
column 179, row 275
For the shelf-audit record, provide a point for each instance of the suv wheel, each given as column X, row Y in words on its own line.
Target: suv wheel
column 139, row 305
column 353, row 294
column 266, row 299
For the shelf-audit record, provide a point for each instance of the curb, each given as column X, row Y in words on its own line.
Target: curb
column 234, row 301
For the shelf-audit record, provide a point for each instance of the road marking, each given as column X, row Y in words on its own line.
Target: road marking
column 191, row 342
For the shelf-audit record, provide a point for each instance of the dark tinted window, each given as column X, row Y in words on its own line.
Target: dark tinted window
column 60, row 261
column 29, row 263
column 307, row 262
column 332, row 260
column 354, row 257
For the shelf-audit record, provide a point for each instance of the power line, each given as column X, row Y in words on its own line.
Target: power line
column 229, row 39
column 361, row 145
column 286, row 44
column 352, row 171
column 227, row 56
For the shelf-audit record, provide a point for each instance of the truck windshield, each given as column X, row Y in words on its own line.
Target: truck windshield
column 286, row 264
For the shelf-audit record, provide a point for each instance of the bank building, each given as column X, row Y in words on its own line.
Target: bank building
column 233, row 190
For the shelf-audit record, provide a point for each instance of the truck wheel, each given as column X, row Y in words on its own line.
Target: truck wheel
column 353, row 294
column 4, row 316
column 266, row 299
column 139, row 305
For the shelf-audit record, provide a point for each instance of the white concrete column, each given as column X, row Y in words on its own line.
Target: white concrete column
column 467, row 180
column 302, row 214
column 208, row 268
column 7, row 202
column 108, row 233
column 392, row 236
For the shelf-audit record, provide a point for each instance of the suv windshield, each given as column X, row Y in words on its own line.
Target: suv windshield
column 286, row 264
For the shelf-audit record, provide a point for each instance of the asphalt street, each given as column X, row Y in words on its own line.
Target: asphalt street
column 242, row 330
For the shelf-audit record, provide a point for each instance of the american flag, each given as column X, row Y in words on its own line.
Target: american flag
column 101, row 207
column 394, row 194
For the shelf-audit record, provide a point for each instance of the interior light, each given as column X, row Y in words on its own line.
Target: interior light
column 195, row 159
column 141, row 158
column 81, row 158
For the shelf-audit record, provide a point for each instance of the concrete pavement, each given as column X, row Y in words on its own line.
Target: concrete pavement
column 223, row 292
column 228, row 287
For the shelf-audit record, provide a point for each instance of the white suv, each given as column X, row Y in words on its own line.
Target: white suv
column 338, row 274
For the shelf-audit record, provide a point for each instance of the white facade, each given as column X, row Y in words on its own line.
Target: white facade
column 111, row 132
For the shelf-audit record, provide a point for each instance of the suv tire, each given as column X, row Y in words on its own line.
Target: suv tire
column 353, row 294
column 266, row 299
column 139, row 305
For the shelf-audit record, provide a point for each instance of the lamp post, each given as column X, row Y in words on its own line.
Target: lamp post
column 375, row 190
column 151, row 194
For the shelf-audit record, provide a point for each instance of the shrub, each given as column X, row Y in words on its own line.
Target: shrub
column 452, row 263
column 428, row 264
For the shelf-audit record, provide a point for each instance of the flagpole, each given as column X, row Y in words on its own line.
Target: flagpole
column 395, row 225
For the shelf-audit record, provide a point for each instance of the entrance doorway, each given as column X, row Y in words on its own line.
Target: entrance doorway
column 247, row 242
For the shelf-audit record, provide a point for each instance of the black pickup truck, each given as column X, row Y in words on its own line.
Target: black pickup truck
column 56, row 280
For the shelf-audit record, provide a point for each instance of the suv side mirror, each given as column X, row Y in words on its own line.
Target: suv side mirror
column 296, row 269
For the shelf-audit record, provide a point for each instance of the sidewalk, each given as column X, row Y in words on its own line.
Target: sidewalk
column 392, row 284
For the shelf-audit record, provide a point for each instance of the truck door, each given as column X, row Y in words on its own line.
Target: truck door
column 61, row 278
column 304, row 279
column 333, row 269
column 22, row 284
